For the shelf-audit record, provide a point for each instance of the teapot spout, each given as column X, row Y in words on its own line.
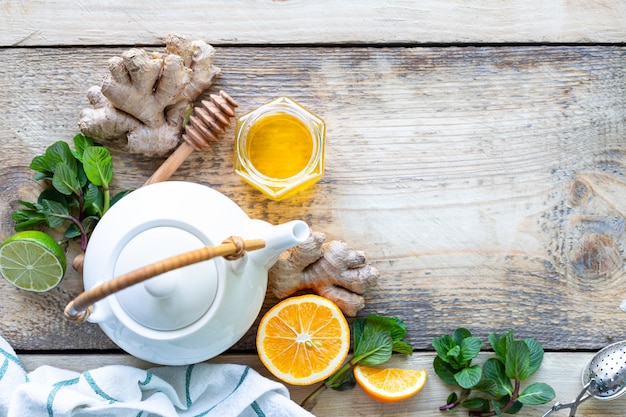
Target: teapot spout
column 279, row 238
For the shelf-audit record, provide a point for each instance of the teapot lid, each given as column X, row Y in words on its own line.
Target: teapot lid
column 174, row 299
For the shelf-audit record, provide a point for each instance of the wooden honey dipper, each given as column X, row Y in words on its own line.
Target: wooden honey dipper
column 208, row 121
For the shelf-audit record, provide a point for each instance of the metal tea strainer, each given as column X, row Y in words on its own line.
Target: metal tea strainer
column 603, row 378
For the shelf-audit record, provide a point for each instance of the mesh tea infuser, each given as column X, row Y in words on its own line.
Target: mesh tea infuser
column 604, row 377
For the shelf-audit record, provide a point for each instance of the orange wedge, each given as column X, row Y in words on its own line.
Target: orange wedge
column 389, row 384
column 303, row 340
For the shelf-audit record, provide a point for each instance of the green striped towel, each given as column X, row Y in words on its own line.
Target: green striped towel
column 196, row 390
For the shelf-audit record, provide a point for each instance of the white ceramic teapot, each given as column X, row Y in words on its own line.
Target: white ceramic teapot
column 188, row 314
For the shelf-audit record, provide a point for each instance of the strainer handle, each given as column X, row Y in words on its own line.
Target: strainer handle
column 573, row 405
column 232, row 248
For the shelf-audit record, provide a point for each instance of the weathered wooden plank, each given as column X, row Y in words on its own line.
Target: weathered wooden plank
column 560, row 370
column 46, row 23
column 484, row 183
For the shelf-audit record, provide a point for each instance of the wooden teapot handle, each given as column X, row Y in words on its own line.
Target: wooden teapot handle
column 232, row 248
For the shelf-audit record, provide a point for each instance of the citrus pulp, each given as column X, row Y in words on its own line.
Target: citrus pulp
column 389, row 384
column 32, row 260
column 303, row 340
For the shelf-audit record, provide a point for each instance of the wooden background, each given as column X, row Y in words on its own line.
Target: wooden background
column 475, row 152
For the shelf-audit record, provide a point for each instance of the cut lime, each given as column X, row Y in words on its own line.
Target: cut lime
column 32, row 260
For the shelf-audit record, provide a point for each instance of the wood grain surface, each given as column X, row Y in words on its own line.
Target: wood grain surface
column 486, row 184
column 475, row 152
column 288, row 22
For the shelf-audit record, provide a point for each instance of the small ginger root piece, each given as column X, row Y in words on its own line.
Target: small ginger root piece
column 331, row 269
column 145, row 98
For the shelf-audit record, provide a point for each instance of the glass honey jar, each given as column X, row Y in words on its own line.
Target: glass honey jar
column 279, row 148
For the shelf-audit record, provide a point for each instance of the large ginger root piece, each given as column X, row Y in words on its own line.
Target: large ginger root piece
column 331, row 269
column 145, row 98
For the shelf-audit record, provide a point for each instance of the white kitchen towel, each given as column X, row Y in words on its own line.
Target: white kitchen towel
column 196, row 390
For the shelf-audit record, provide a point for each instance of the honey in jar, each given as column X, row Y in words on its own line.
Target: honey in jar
column 279, row 145
column 280, row 148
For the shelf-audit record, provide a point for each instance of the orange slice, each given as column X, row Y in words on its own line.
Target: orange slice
column 389, row 384
column 303, row 340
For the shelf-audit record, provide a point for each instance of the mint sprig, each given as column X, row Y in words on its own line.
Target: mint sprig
column 79, row 193
column 376, row 338
column 498, row 382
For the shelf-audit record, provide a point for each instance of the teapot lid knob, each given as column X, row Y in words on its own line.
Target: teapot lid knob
column 160, row 287
column 176, row 298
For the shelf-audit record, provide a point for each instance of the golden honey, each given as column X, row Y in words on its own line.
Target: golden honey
column 279, row 148
column 279, row 145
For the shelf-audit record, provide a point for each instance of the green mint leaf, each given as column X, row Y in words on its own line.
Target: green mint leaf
column 475, row 404
column 27, row 225
column 500, row 344
column 25, row 215
column 60, row 153
column 536, row 354
column 55, row 212
column 443, row 345
column 54, row 195
column 72, row 231
column 494, row 341
column 54, row 208
column 81, row 142
column 517, row 363
column 98, row 165
column 514, row 409
column 65, row 180
column 494, row 370
column 448, row 351
column 27, row 219
column 468, row 377
column 504, row 402
column 28, row 205
column 460, row 334
column 454, row 352
column 39, row 176
column 41, row 165
column 452, row 398
column 487, row 386
column 470, row 347
column 374, row 348
column 444, row 371
column 80, row 174
column 375, row 338
column 94, row 200
column 358, row 327
column 508, row 338
column 396, row 327
column 345, row 383
column 403, row 347
column 89, row 223
column 117, row 197
column 496, row 408
column 536, row 394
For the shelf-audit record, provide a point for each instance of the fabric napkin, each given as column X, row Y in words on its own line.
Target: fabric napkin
column 198, row 390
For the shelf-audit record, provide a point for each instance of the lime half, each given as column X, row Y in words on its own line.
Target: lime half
column 32, row 260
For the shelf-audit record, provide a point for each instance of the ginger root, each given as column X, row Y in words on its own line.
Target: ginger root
column 145, row 98
column 331, row 269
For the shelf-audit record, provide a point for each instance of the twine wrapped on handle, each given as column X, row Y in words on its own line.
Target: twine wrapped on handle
column 232, row 248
